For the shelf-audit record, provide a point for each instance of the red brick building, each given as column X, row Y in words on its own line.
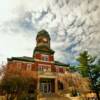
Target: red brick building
column 42, row 66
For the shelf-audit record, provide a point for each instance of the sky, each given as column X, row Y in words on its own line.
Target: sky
column 74, row 26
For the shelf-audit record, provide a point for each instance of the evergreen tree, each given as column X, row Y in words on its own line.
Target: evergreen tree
column 88, row 69
column 84, row 63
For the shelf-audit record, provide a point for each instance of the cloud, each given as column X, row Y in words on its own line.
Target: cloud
column 74, row 26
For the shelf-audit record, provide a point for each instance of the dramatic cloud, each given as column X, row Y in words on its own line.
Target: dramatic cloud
column 74, row 26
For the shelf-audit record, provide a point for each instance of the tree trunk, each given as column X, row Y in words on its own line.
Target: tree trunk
column 97, row 94
column 7, row 97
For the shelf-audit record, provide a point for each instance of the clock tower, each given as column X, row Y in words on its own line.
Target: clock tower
column 43, row 44
column 43, row 39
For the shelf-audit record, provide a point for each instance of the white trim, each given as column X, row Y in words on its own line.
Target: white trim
column 43, row 61
column 23, row 61
column 44, row 68
column 44, row 57
column 47, row 76
column 44, row 65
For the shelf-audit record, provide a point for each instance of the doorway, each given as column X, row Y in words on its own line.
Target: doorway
column 45, row 87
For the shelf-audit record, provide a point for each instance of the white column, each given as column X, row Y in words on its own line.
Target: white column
column 56, row 86
column 38, row 84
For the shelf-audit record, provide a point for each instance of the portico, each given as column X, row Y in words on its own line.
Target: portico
column 47, row 84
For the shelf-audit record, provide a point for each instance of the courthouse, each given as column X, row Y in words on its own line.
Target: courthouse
column 42, row 66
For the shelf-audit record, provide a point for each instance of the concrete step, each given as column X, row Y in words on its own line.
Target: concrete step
column 54, row 98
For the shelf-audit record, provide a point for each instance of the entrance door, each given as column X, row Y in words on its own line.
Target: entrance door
column 45, row 87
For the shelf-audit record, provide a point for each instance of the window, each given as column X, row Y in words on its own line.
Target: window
column 18, row 66
column 57, row 69
column 40, row 68
column 44, row 57
column 44, row 68
column 29, row 66
column 61, row 70
column 49, row 69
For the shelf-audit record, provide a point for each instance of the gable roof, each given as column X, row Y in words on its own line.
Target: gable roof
column 61, row 64
column 24, row 58
column 30, row 59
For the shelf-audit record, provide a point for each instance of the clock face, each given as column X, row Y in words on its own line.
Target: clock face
column 44, row 39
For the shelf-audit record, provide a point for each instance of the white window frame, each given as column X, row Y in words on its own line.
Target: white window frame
column 45, row 58
column 42, row 67
column 29, row 67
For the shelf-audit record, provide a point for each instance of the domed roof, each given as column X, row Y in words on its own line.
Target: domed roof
column 43, row 33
